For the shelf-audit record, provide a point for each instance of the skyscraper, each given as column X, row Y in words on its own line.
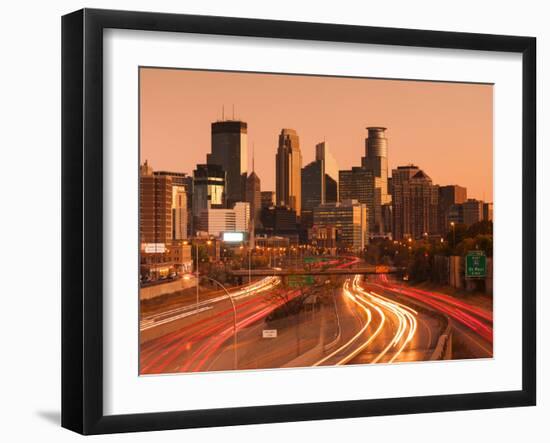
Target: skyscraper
column 448, row 196
column 331, row 169
column 155, row 206
column 472, row 211
column 331, row 189
column 415, row 203
column 208, row 189
column 376, row 160
column 288, row 168
column 359, row 184
column 254, row 198
column 229, row 150
column 313, row 185
column 349, row 217
column 179, row 203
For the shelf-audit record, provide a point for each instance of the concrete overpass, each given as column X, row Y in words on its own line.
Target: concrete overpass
column 241, row 274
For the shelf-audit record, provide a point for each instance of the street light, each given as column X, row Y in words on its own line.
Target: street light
column 454, row 239
column 234, row 318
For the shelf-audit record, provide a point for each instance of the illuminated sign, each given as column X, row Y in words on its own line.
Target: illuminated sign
column 233, row 237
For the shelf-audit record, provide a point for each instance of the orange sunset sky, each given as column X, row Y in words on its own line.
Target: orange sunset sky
column 444, row 128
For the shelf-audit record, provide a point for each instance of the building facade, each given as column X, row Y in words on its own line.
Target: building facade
column 488, row 211
column 230, row 151
column 358, row 184
column 349, row 218
column 472, row 211
column 313, row 185
column 322, row 152
column 448, row 197
column 155, row 207
column 415, row 203
column 288, row 168
column 254, row 198
column 279, row 220
column 180, row 204
column 208, row 188
column 376, row 161
column 215, row 222
column 268, row 198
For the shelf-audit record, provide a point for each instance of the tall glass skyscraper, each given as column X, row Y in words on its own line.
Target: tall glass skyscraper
column 376, row 160
column 229, row 150
column 288, row 169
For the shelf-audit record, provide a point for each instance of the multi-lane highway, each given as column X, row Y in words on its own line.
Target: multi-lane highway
column 355, row 320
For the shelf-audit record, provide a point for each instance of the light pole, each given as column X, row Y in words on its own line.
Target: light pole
column 197, row 273
column 234, row 319
column 249, row 266
column 454, row 240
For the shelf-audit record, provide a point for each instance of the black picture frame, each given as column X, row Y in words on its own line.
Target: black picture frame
column 82, row 218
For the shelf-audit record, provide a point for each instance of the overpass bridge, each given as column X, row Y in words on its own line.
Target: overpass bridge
column 267, row 272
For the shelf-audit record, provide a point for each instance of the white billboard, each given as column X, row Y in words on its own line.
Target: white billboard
column 233, row 237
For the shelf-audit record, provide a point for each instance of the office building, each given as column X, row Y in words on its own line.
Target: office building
column 313, row 185
column 208, row 188
column 155, row 205
column 331, row 189
column 155, row 224
column 180, row 192
column 358, row 184
column 449, row 196
column 322, row 152
column 229, row 150
column 488, row 211
column 288, row 168
column 217, row 221
column 349, row 218
column 254, row 198
column 472, row 211
column 268, row 198
column 279, row 220
column 415, row 203
column 376, row 161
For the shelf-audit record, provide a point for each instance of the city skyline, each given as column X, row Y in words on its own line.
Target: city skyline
column 368, row 184
column 170, row 145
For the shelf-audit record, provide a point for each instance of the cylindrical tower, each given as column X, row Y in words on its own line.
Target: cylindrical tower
column 376, row 144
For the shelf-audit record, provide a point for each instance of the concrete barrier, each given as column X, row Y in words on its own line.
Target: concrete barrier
column 444, row 348
column 165, row 288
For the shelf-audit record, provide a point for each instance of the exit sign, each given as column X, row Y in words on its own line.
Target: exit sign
column 476, row 264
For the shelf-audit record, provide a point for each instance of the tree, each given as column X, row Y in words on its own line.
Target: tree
column 481, row 227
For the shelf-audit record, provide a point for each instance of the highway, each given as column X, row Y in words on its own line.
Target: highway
column 357, row 320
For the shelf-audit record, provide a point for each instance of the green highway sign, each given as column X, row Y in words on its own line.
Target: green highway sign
column 476, row 264
column 314, row 259
column 300, row 280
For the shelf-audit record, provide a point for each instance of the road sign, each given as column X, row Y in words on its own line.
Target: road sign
column 382, row 269
column 269, row 333
column 476, row 264
column 300, row 280
column 315, row 259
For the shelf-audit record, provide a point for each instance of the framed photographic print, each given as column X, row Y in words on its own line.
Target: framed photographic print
column 269, row 221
